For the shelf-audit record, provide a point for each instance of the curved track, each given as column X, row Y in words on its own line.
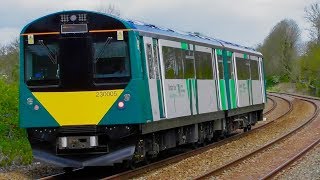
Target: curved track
column 300, row 154
column 174, row 159
column 279, row 140
column 274, row 105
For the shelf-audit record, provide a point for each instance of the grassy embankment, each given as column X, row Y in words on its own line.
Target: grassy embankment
column 14, row 147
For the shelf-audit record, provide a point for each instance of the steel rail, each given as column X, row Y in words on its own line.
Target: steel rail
column 274, row 105
column 237, row 161
column 291, row 161
column 287, row 164
column 177, row 158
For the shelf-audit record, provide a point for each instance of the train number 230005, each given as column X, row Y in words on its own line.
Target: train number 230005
column 106, row 93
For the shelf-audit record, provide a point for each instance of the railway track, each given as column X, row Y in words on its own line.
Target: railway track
column 293, row 159
column 273, row 106
column 174, row 159
column 276, row 170
column 177, row 158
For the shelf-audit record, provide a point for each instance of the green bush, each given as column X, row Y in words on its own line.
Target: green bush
column 272, row 81
column 14, row 146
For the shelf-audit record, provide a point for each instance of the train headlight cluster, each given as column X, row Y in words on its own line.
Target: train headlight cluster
column 30, row 101
column 73, row 18
column 65, row 18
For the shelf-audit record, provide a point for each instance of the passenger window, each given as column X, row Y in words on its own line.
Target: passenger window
column 203, row 65
column 173, row 62
column 188, row 63
column 254, row 70
column 156, row 60
column 243, row 68
column 150, row 62
column 220, row 67
column 231, row 66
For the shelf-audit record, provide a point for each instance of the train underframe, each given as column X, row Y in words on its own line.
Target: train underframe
column 108, row 145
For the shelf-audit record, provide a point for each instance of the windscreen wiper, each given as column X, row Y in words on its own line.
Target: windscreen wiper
column 103, row 49
column 53, row 56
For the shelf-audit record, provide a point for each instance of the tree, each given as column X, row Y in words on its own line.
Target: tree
column 312, row 15
column 310, row 69
column 9, row 61
column 280, row 49
column 110, row 9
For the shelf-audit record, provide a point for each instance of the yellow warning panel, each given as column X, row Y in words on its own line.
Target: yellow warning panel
column 78, row 108
column 120, row 35
column 30, row 39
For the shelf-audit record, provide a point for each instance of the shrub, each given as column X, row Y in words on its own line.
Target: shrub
column 14, row 146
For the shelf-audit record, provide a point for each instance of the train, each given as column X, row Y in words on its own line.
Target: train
column 98, row 90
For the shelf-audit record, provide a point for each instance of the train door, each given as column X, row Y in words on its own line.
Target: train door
column 175, row 78
column 154, row 78
column 223, row 103
column 262, row 80
column 256, row 79
column 232, row 80
column 242, row 63
column 206, row 80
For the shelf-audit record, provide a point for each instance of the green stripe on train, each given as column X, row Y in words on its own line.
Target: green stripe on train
column 160, row 98
column 249, row 83
column 233, row 94
column 223, row 94
column 189, row 94
column 195, row 94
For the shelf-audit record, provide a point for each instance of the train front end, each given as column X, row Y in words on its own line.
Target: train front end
column 80, row 89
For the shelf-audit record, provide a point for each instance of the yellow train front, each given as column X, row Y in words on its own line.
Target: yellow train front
column 97, row 90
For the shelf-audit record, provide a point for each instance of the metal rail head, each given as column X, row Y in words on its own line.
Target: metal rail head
column 237, row 161
column 174, row 159
column 304, row 151
column 274, row 105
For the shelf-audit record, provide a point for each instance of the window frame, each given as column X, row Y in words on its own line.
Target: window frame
column 203, row 49
column 45, row 83
column 105, row 81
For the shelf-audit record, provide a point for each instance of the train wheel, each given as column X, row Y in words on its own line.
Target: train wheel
column 130, row 164
column 147, row 160
column 247, row 128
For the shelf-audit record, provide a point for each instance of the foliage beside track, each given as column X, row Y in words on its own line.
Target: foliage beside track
column 14, row 146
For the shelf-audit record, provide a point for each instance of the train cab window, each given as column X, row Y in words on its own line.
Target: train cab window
column 173, row 62
column 203, row 65
column 254, row 70
column 41, row 64
column 243, row 68
column 111, row 60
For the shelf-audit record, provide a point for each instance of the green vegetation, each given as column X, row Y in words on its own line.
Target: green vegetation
column 310, row 70
column 14, row 147
column 288, row 60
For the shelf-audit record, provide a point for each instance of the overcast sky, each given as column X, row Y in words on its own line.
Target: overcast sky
column 246, row 22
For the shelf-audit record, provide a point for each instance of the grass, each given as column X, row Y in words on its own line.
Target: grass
column 14, row 146
column 273, row 89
